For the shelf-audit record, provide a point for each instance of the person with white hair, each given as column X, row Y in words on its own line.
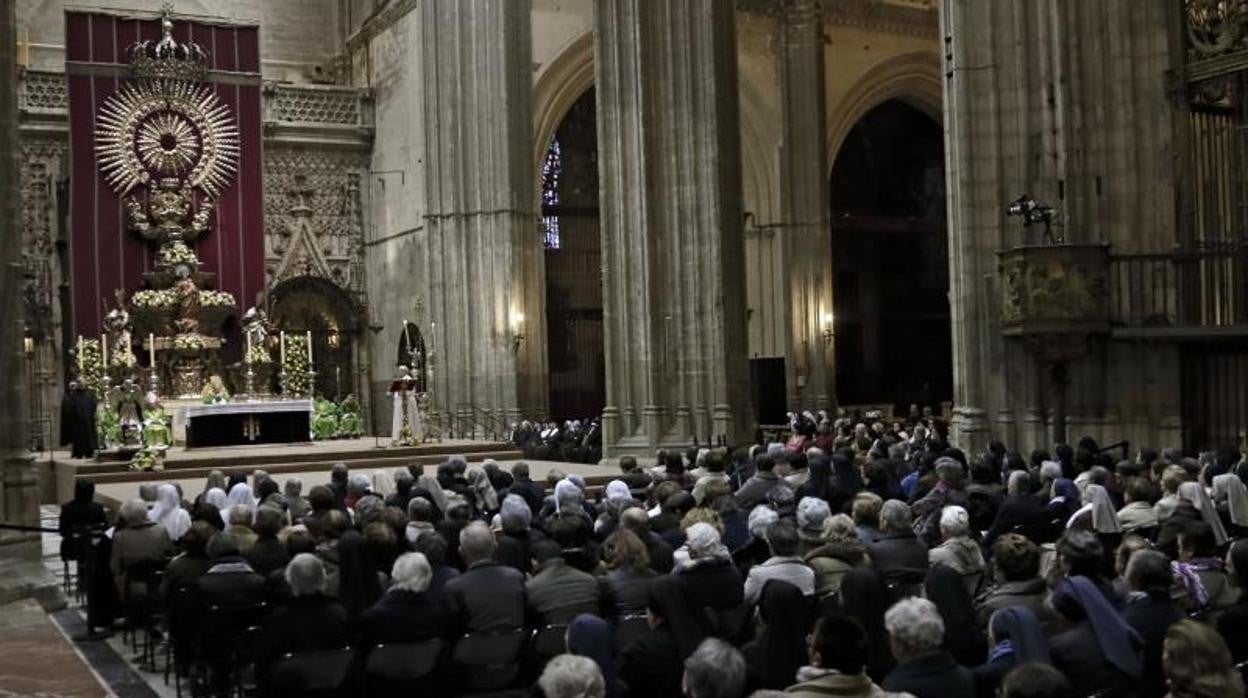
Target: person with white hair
column 572, row 676
column 309, row 621
column 958, row 551
column 358, row 485
column 1022, row 511
column 137, row 540
column 405, row 612
column 812, row 513
column 709, row 574
column 383, row 484
column 915, row 633
column 296, row 504
column 716, row 669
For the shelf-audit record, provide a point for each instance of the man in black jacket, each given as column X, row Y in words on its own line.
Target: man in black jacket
column 1022, row 512
column 915, row 633
column 230, row 583
column 1150, row 612
column 524, row 486
column 309, row 622
column 899, row 556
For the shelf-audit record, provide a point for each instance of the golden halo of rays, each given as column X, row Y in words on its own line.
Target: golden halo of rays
column 152, row 146
column 122, row 118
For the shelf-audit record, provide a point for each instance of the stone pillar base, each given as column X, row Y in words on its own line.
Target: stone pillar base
column 19, row 504
column 969, row 430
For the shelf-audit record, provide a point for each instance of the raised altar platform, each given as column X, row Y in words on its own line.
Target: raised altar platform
column 246, row 422
column 57, row 470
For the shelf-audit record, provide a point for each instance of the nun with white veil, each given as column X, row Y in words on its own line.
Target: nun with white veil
column 1194, row 493
column 240, row 494
column 1231, row 496
column 168, row 512
column 1097, row 512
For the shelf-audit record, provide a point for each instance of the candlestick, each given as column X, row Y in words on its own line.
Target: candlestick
column 283, row 336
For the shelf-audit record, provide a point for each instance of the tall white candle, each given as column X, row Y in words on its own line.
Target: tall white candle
column 80, row 359
column 104, row 349
column 151, row 349
column 283, row 336
column 247, row 356
column 309, row 339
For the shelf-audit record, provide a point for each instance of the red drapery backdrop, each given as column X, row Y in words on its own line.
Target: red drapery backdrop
column 104, row 255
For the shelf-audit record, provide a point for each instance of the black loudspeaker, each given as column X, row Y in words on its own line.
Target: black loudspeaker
column 767, row 390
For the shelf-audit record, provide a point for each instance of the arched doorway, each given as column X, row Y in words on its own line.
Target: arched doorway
column 890, row 258
column 316, row 305
column 569, row 188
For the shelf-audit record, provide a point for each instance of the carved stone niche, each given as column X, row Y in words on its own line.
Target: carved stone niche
column 1055, row 289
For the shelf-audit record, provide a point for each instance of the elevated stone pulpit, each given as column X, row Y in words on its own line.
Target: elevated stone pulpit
column 1055, row 298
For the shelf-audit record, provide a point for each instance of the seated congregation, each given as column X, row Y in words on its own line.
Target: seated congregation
column 885, row 565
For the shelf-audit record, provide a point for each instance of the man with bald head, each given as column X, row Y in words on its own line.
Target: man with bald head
column 488, row 595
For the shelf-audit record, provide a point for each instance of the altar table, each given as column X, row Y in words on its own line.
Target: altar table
column 259, row 422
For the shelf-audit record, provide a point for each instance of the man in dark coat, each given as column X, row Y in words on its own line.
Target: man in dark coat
column 404, row 613
column 1022, row 512
column 1150, row 613
column 488, row 595
column 78, row 421
column 899, row 556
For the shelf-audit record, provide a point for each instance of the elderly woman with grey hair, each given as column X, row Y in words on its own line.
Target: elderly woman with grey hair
column 959, row 552
column 709, row 574
column 405, row 613
column 915, row 633
column 572, row 676
column 296, row 504
column 309, row 622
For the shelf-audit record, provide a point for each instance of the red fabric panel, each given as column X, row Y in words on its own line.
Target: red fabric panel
column 247, row 43
column 77, row 37
column 104, row 255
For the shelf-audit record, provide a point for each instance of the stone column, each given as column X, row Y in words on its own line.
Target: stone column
column 484, row 255
column 804, row 206
column 673, row 256
column 19, row 492
column 1068, row 102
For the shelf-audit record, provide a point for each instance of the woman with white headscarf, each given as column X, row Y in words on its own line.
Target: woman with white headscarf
column 168, row 512
column 1230, row 495
column 241, row 494
column 383, row 484
column 217, row 497
column 1097, row 512
column 1194, row 493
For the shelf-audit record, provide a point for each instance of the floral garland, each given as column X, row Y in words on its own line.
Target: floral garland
column 148, row 459
column 258, row 355
column 123, row 357
column 91, row 366
column 175, row 253
column 296, row 378
column 154, row 299
column 216, row 299
column 189, row 342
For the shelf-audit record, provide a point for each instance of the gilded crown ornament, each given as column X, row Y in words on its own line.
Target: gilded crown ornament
column 168, row 59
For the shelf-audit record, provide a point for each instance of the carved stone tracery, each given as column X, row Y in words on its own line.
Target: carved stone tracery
column 314, row 216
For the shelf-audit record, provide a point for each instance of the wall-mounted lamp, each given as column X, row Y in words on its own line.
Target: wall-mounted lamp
column 28, row 344
column 334, row 339
column 825, row 322
column 517, row 330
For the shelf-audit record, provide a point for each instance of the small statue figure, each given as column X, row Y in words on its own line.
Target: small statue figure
column 324, row 421
column 129, row 410
column 117, row 324
column 156, row 432
column 424, row 405
column 350, row 426
column 214, row 392
column 256, row 330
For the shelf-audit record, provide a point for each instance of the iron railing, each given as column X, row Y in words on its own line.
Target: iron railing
column 1202, row 287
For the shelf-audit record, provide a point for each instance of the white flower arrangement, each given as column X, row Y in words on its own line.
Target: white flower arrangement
column 189, row 342
column 216, row 299
column 175, row 253
column 123, row 358
column 154, row 299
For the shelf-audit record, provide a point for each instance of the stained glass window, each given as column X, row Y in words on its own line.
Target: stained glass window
column 551, row 169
